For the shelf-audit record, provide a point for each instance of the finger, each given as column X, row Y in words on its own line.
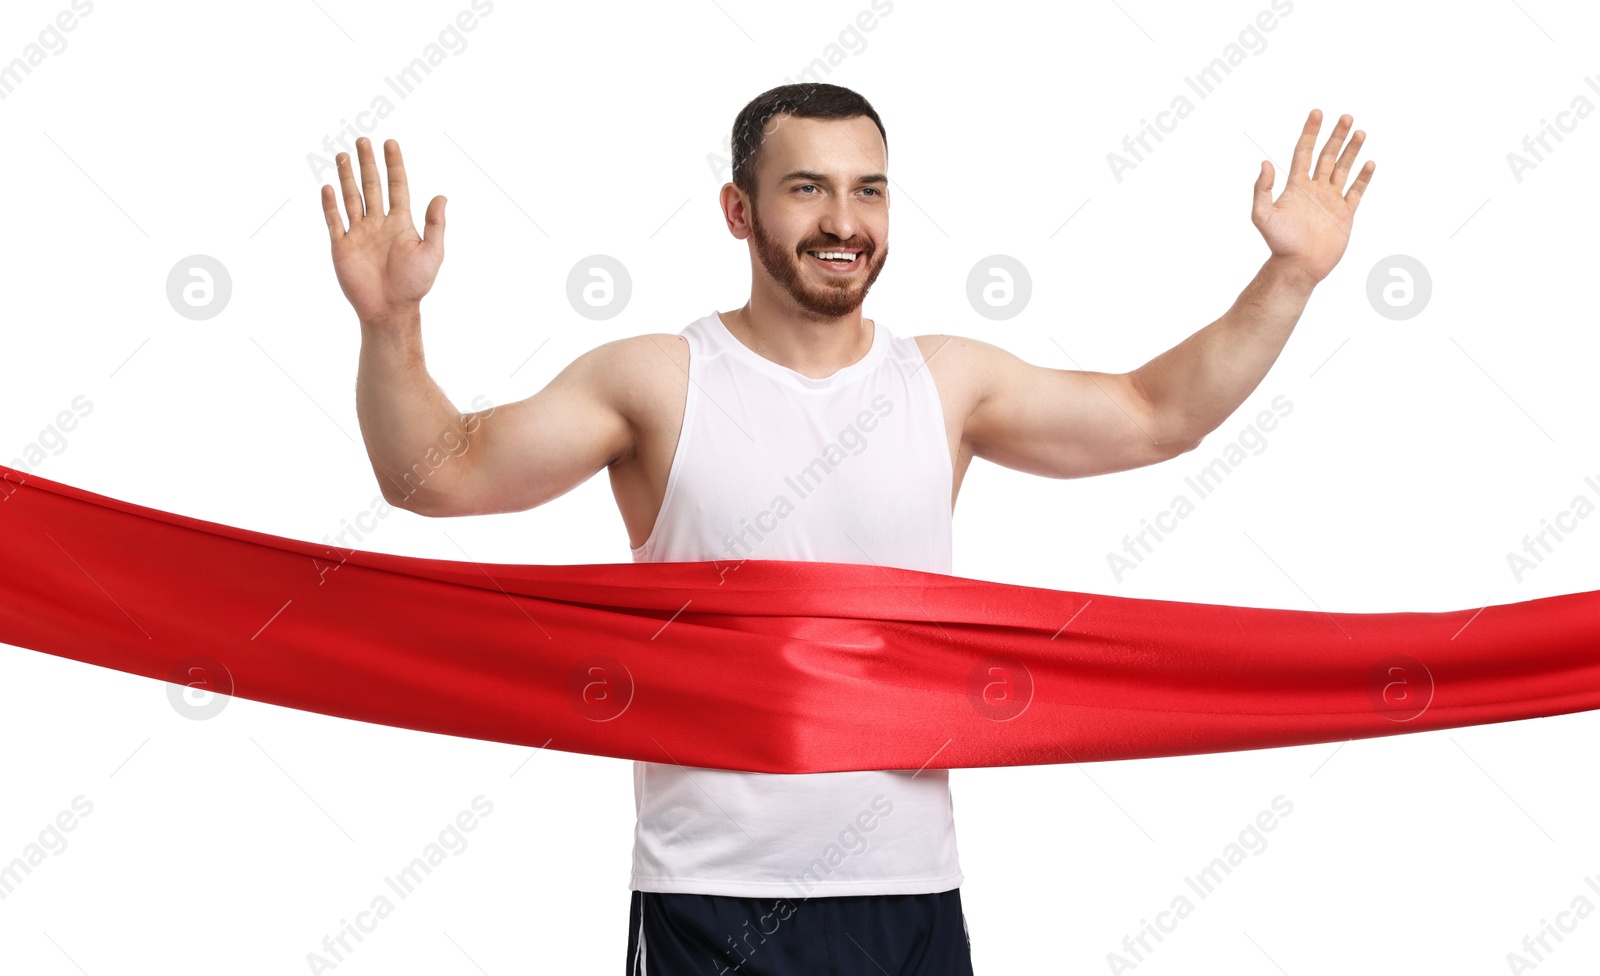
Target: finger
column 371, row 187
column 330, row 211
column 1301, row 164
column 1330, row 149
column 399, row 195
column 433, row 223
column 347, row 183
column 1347, row 159
column 1353, row 198
column 1263, row 188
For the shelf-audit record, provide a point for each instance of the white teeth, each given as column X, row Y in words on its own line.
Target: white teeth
column 835, row 255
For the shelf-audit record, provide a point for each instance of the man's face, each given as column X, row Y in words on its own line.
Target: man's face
column 821, row 188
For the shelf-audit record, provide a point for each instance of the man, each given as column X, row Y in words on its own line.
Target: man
column 792, row 428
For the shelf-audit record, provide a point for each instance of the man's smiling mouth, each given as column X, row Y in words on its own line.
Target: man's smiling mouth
column 837, row 260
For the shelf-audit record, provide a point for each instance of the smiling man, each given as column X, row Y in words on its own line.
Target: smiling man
column 793, row 428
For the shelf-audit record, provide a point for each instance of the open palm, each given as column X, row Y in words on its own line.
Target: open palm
column 383, row 266
column 1308, row 226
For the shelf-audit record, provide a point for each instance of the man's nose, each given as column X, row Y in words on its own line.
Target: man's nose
column 838, row 220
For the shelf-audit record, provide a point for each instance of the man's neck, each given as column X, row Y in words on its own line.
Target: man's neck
column 810, row 346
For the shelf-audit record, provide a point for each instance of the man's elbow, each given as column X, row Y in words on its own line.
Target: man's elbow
column 412, row 502
column 1170, row 436
column 426, row 493
column 1185, row 445
column 1170, row 431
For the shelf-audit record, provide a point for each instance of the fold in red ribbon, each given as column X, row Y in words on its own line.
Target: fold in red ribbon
column 770, row 666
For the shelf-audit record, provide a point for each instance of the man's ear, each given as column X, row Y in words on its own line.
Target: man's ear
column 735, row 211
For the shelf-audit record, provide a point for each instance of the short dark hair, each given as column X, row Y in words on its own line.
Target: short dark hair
column 806, row 101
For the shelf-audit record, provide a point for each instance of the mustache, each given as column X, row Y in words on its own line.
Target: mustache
column 862, row 246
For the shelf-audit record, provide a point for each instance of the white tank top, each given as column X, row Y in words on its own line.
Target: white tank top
column 773, row 464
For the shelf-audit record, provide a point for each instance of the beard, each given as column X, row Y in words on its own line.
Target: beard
column 831, row 298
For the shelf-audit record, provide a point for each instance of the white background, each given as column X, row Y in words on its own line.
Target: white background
column 1416, row 457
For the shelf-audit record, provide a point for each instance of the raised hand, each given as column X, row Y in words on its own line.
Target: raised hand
column 384, row 267
column 1308, row 226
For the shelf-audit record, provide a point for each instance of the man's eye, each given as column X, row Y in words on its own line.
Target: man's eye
column 872, row 190
column 806, row 186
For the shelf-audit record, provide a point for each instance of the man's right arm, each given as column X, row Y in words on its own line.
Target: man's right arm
column 430, row 458
column 434, row 460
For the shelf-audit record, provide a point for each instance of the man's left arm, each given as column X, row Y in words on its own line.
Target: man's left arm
column 1071, row 423
column 1196, row 385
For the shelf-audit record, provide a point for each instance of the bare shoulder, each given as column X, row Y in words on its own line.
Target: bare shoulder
column 646, row 379
column 636, row 371
column 963, row 368
column 634, row 381
column 652, row 351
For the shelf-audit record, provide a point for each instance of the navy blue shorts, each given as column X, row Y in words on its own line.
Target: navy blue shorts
column 675, row 934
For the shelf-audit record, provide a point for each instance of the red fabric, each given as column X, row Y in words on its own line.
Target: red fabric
column 763, row 665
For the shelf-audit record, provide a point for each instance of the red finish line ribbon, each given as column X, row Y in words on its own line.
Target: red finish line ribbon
column 770, row 666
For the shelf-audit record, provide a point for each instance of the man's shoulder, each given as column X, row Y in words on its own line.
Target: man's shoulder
column 960, row 366
column 957, row 354
column 964, row 352
column 637, row 372
column 630, row 358
column 650, row 346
